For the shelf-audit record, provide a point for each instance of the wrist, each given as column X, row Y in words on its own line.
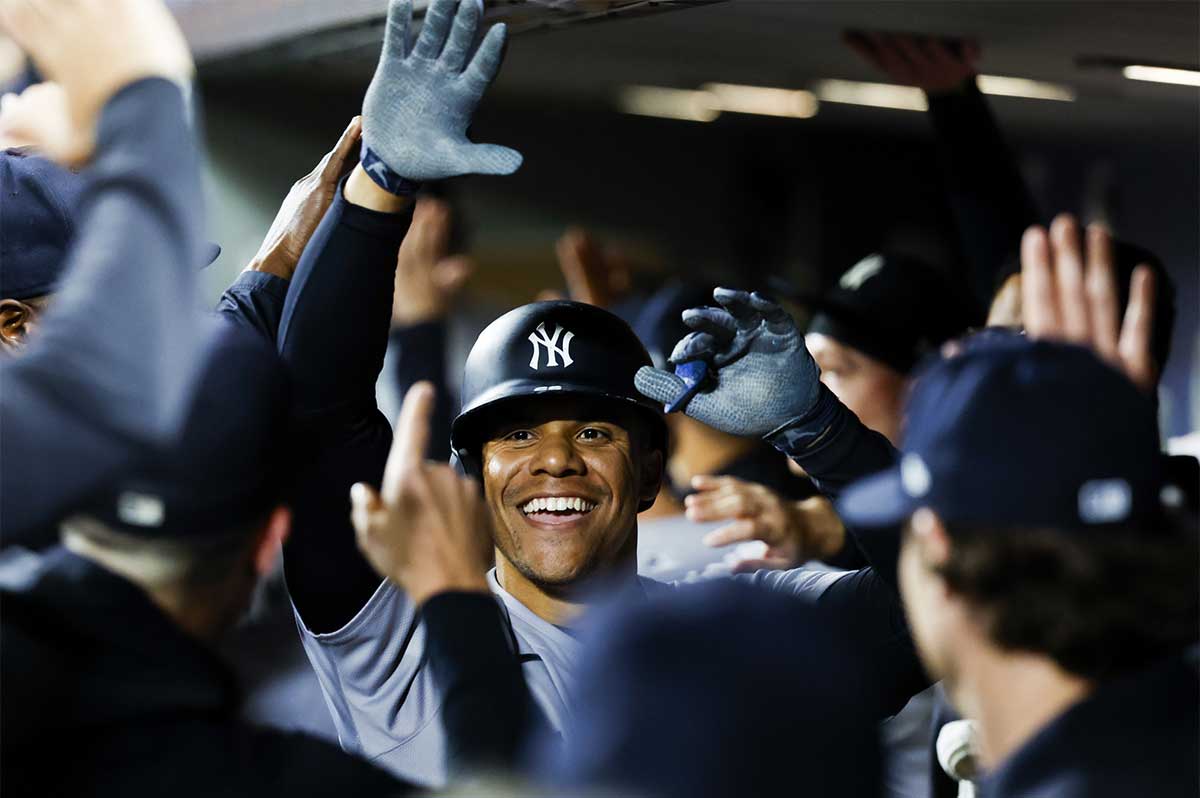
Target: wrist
column 272, row 262
column 361, row 190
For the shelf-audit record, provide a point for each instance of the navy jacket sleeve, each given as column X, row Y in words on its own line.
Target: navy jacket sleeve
column 419, row 353
column 255, row 301
column 992, row 204
column 332, row 339
column 109, row 372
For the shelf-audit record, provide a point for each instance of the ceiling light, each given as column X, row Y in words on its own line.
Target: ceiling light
column 798, row 104
column 693, row 106
column 1182, row 77
column 877, row 95
column 1023, row 87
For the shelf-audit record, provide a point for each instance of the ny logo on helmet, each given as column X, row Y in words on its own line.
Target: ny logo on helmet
column 544, row 340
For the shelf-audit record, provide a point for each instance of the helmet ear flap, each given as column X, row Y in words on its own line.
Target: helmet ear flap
column 465, row 464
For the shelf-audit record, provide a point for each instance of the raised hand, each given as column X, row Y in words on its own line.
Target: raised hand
column 93, row 48
column 305, row 206
column 927, row 62
column 429, row 531
column 794, row 531
column 428, row 279
column 764, row 377
column 420, row 102
column 40, row 118
column 1065, row 298
column 593, row 274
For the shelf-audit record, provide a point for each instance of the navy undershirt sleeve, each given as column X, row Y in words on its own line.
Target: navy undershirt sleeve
column 487, row 709
column 110, row 370
column 419, row 353
column 836, row 449
column 332, row 339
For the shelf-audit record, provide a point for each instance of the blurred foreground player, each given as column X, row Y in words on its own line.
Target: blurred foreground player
column 669, row 714
column 78, row 406
column 1064, row 624
column 107, row 640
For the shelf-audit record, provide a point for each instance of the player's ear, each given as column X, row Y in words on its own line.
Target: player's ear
column 270, row 542
column 16, row 320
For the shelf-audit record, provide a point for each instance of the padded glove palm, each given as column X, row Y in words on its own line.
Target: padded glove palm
column 764, row 374
column 420, row 103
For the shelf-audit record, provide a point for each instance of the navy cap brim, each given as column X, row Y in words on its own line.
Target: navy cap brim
column 877, row 501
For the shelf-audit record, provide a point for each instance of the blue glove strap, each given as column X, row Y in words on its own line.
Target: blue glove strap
column 385, row 178
column 694, row 374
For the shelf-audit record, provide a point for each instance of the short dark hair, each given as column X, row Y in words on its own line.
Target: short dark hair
column 1099, row 604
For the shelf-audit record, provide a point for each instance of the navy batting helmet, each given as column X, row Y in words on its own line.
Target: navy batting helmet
column 549, row 349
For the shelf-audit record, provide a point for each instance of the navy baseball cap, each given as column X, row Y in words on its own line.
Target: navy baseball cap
column 892, row 308
column 38, row 201
column 225, row 468
column 1020, row 433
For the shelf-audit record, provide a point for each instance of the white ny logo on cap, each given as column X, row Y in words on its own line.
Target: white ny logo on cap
column 544, row 340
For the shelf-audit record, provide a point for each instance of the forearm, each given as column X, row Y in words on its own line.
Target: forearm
column 419, row 355
column 991, row 202
column 487, row 710
column 836, row 449
column 334, row 331
column 111, row 368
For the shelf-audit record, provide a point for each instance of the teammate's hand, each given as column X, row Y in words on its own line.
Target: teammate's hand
column 420, row 103
column 305, row 206
column 794, row 531
column 1065, row 300
column 93, row 48
column 927, row 62
column 40, row 118
column 764, row 375
column 429, row 531
column 428, row 279
column 594, row 274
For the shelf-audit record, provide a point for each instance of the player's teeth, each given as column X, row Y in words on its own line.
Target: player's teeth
column 560, row 504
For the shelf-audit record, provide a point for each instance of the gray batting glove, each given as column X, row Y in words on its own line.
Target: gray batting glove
column 764, row 375
column 420, row 102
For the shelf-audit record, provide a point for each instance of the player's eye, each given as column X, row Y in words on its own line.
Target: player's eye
column 594, row 434
column 519, row 436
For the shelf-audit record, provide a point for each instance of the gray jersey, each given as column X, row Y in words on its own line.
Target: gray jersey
column 384, row 700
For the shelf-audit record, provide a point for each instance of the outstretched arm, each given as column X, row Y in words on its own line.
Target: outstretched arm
column 991, row 202
column 336, row 319
column 332, row 339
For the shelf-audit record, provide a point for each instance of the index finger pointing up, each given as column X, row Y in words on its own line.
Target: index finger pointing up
column 411, row 438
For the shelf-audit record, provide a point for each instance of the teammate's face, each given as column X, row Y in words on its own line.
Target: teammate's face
column 563, row 485
column 932, row 617
column 873, row 391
